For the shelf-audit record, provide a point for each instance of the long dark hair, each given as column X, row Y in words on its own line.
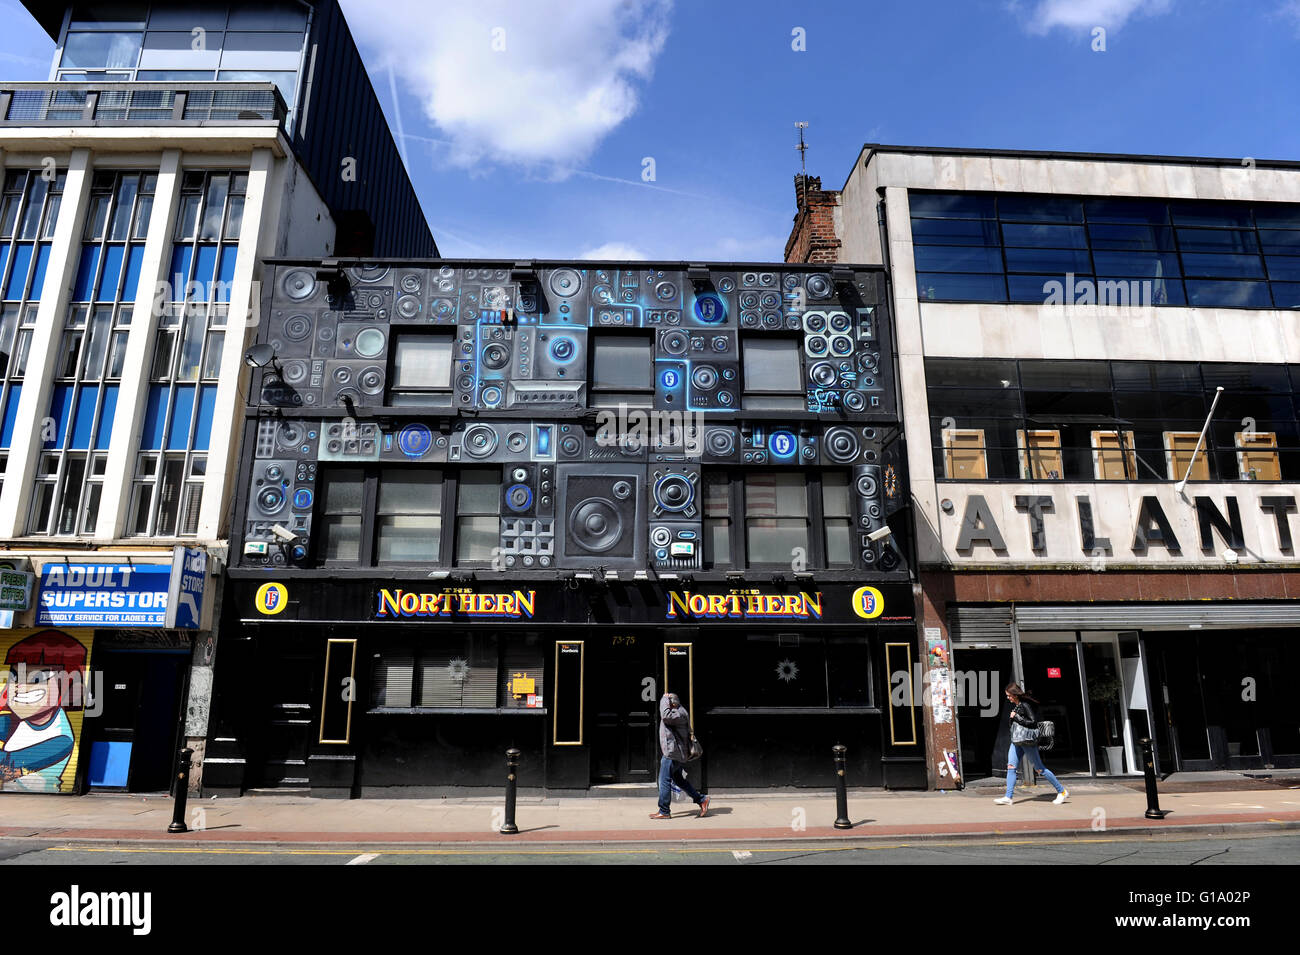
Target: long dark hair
column 1017, row 694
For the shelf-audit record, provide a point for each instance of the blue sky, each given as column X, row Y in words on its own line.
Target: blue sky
column 527, row 124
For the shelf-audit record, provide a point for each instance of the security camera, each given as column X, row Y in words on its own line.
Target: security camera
column 880, row 534
column 283, row 533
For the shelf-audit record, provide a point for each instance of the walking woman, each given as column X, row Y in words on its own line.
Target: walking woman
column 1023, row 743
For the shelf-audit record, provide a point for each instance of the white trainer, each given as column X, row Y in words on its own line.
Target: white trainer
column 1003, row 801
column 1061, row 797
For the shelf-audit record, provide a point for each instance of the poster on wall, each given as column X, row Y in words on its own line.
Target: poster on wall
column 43, row 695
column 936, row 657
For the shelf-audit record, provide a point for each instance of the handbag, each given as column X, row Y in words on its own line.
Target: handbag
column 694, row 750
column 1024, row 735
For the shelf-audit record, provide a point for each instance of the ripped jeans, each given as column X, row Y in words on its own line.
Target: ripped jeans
column 1014, row 756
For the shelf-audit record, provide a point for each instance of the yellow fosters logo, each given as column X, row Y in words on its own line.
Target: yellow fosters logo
column 271, row 598
column 868, row 603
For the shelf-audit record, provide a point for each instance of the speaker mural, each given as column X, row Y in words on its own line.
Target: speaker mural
column 507, row 366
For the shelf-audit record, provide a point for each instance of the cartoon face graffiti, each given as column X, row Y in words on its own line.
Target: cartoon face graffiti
column 36, row 737
column 34, row 693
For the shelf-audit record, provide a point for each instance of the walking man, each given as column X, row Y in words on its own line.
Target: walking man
column 675, row 742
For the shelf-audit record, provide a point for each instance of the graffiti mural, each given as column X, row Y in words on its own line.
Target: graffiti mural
column 42, row 701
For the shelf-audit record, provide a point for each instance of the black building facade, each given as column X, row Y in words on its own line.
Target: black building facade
column 488, row 504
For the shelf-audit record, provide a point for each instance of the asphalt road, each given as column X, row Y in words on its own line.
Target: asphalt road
column 1252, row 849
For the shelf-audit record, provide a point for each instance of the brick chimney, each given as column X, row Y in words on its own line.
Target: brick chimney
column 813, row 238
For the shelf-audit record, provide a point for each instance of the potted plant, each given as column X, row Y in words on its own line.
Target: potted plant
column 1104, row 690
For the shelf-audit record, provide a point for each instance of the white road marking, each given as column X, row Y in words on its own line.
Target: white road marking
column 363, row 859
column 741, row 854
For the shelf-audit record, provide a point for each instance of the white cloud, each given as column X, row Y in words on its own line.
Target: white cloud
column 1290, row 10
column 532, row 84
column 615, row 251
column 1086, row 14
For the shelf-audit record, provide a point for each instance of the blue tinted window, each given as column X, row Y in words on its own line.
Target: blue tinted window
column 960, row 288
column 954, row 205
column 1137, row 236
column 1045, row 236
column 1284, row 267
column 1137, row 263
column 1040, row 209
column 1048, row 260
column 954, row 232
column 1224, row 266
column 1228, row 294
column 973, row 238
column 1277, row 215
column 1272, row 240
column 957, row 258
column 1127, row 210
column 1215, row 214
column 1285, row 295
column 1217, row 240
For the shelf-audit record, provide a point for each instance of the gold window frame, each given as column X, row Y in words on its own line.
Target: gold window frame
column 1123, row 449
column 1040, row 461
column 1176, row 458
column 1258, row 446
column 951, row 446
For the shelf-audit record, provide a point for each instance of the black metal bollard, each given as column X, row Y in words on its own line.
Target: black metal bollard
column 1149, row 771
column 182, row 792
column 512, row 773
column 841, row 791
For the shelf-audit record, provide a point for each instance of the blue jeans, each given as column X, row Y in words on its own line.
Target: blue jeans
column 1035, row 758
column 669, row 768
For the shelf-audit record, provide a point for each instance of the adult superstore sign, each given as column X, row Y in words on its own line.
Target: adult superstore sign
column 103, row 595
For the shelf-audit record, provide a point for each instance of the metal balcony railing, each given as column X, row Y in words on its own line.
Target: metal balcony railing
column 128, row 104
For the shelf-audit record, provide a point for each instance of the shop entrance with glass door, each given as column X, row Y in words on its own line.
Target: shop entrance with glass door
column 1079, row 681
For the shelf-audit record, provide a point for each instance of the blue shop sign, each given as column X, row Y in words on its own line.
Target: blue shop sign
column 103, row 595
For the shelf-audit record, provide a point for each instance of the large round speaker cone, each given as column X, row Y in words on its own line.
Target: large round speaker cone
column 595, row 525
column 479, row 441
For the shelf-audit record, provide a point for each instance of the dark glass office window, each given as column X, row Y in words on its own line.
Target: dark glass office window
column 982, row 247
column 772, row 365
column 1123, row 420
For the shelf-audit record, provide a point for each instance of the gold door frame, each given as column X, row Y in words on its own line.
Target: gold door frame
column 911, row 705
column 325, row 689
column 582, row 694
column 690, row 678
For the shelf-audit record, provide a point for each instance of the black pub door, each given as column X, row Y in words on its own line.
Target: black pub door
column 624, row 688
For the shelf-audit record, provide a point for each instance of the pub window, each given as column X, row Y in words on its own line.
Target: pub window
column 478, row 515
column 773, row 373
column 837, row 518
column 622, row 369
column 1113, row 456
column 409, row 515
column 1040, row 455
column 804, row 671
column 1257, row 458
column 964, row 454
column 1179, row 448
column 421, row 371
column 462, row 671
column 717, row 519
column 776, row 517
column 341, row 495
